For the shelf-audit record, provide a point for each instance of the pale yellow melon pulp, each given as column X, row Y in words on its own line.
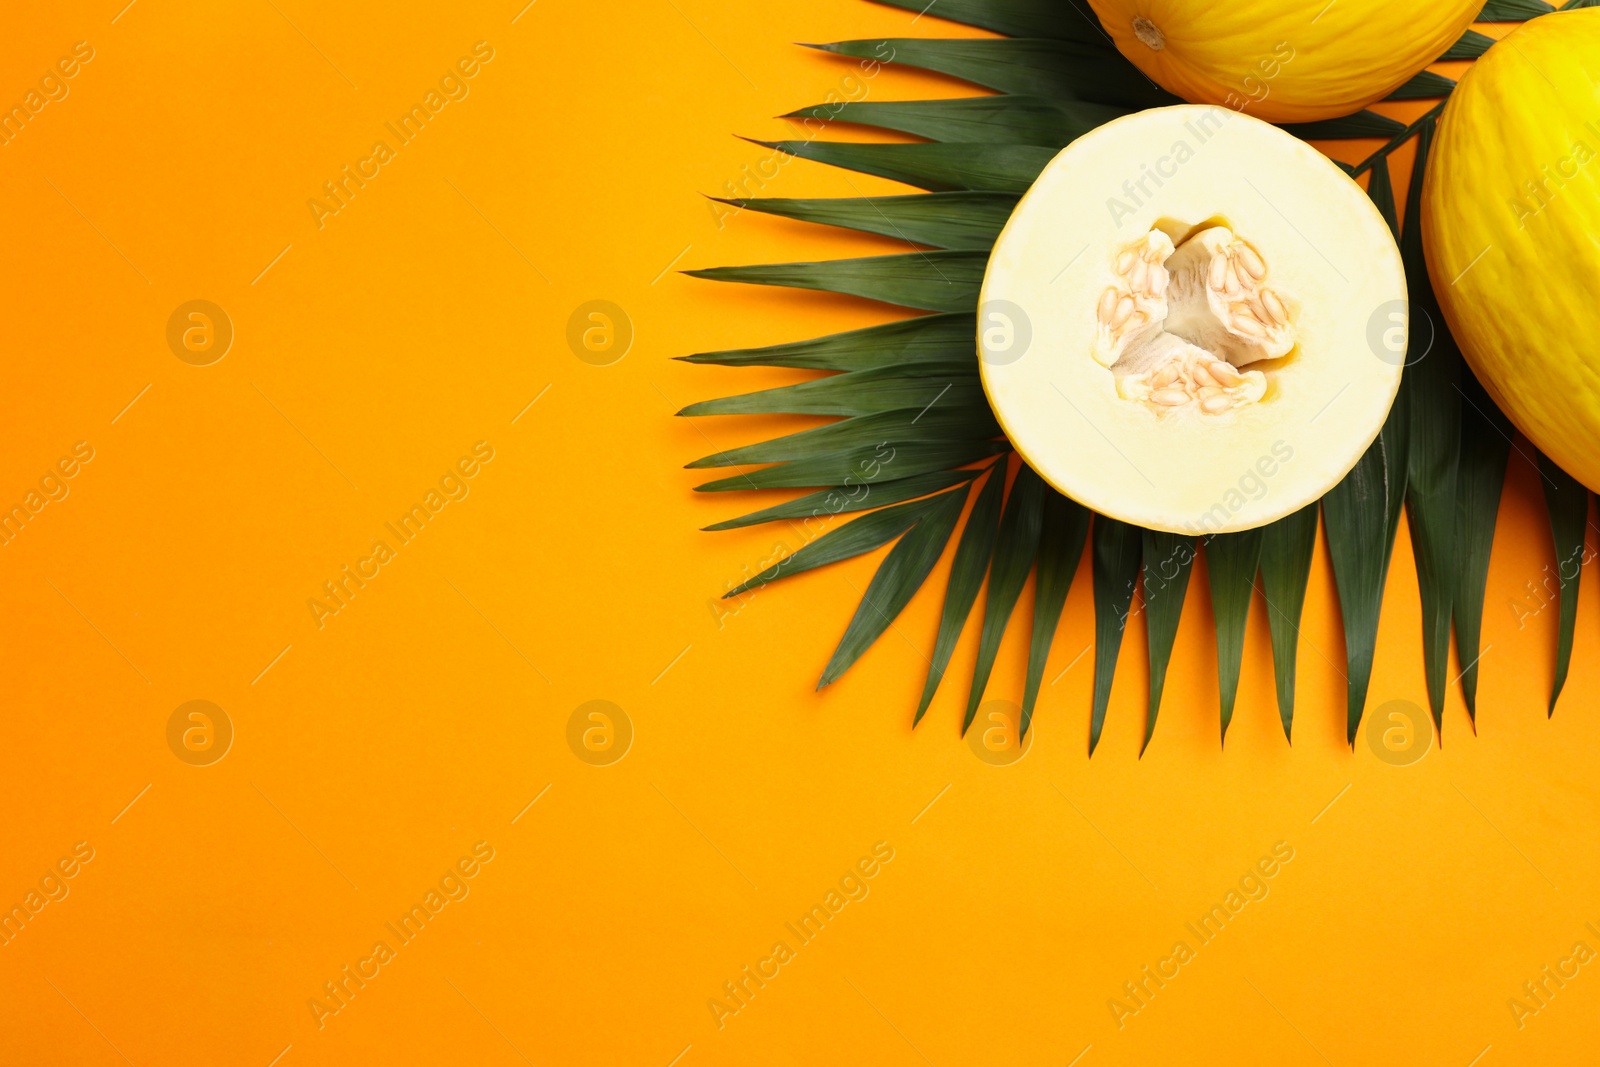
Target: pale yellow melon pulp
column 1175, row 175
column 1511, row 213
column 1288, row 60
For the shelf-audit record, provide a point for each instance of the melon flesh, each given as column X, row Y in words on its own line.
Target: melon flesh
column 1211, row 311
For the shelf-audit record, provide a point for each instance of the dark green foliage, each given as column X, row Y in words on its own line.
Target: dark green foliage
column 914, row 418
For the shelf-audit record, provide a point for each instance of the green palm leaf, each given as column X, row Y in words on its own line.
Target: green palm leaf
column 1397, row 425
column 1363, row 512
column 898, row 578
column 1513, row 10
column 1424, row 85
column 1568, row 504
column 1116, row 569
column 1287, row 547
column 958, row 220
column 862, row 466
column 1014, row 550
column 1485, row 448
column 967, row 571
column 1064, row 529
column 1380, row 188
column 929, row 281
column 1071, row 21
column 1396, row 438
column 937, row 341
column 862, row 392
column 906, row 426
column 870, row 531
column 1361, row 124
column 1472, row 45
column 1168, row 558
column 844, row 499
column 1001, row 168
column 1357, row 515
column 1231, row 563
column 1028, row 66
column 1435, row 441
column 1028, row 120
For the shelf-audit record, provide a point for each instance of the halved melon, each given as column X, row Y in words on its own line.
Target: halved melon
column 1193, row 321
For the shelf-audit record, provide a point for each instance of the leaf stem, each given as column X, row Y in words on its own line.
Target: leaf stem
column 1398, row 139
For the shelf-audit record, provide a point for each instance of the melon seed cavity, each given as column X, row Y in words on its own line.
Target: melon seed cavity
column 1177, row 324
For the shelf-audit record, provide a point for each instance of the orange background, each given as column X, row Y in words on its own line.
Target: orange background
column 373, row 753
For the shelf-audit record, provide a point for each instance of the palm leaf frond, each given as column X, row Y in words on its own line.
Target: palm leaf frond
column 1360, row 124
column 845, row 499
column 1472, row 45
column 898, row 578
column 1396, row 433
column 967, row 572
column 927, row 281
column 1513, row 10
column 1116, row 568
column 1357, row 515
column 940, row 167
column 1073, row 21
column 1012, row 119
column 1065, row 527
column 1287, row 547
column 1435, row 443
column 1029, row 66
column 1015, row 547
column 1568, row 504
column 961, row 221
column 1480, row 475
column 859, row 465
column 854, row 538
column 940, row 342
column 928, row 425
column 1231, row 563
column 862, row 392
column 1424, row 85
column 1168, row 558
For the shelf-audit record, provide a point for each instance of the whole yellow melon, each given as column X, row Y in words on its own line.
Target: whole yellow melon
column 1511, row 213
column 1289, row 61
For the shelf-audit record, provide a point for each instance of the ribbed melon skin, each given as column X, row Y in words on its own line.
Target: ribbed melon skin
column 1517, row 266
column 1340, row 56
